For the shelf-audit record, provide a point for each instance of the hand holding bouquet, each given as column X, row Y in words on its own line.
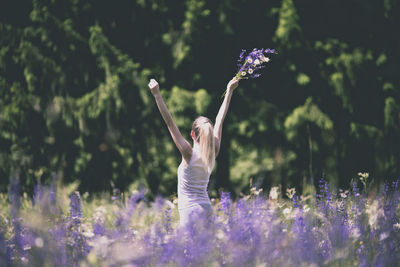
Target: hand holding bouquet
column 254, row 61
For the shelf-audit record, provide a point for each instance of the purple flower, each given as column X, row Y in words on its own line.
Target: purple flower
column 38, row 193
column 225, row 201
column 98, row 228
column 75, row 208
column 5, row 259
column 254, row 61
column 167, row 219
column 124, row 216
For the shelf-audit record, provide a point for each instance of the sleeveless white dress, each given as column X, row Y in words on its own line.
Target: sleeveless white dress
column 193, row 180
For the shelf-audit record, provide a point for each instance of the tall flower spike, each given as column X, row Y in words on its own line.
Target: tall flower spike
column 75, row 208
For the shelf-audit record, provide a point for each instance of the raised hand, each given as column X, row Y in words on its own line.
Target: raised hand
column 233, row 84
column 154, row 87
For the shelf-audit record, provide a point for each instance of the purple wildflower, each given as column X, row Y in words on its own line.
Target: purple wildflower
column 116, row 195
column 225, row 201
column 396, row 185
column 53, row 194
column 254, row 61
column 5, row 259
column 45, row 198
column 98, row 228
column 355, row 189
column 123, row 218
column 167, row 219
column 75, row 205
column 14, row 196
column 38, row 193
column 15, row 205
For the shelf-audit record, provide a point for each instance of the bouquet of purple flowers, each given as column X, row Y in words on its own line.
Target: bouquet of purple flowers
column 254, row 61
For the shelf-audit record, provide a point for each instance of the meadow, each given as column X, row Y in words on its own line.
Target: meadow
column 60, row 227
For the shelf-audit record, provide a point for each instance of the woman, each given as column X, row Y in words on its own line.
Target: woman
column 197, row 161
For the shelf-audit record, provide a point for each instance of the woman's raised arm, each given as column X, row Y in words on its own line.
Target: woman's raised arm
column 181, row 143
column 232, row 85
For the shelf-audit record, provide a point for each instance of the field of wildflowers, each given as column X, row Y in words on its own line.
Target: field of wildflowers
column 59, row 227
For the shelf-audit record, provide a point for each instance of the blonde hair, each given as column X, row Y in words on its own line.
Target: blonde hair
column 204, row 132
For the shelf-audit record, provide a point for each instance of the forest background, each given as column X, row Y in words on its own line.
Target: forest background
column 74, row 101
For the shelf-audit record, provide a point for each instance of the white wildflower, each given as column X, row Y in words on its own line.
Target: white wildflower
column 39, row 242
column 343, row 195
column 396, row 226
column 374, row 212
column 100, row 214
column 170, row 204
column 249, row 60
column 250, row 71
column 88, row 234
column 257, row 62
column 220, row 234
column 383, row 236
column 87, row 230
column 290, row 192
column 24, row 260
column 266, row 59
column 274, row 193
column 363, row 174
column 243, row 73
column 363, row 178
column 254, row 191
column 355, row 232
column 306, row 208
column 287, row 211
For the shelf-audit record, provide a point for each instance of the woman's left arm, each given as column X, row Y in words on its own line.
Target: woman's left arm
column 219, row 120
column 181, row 143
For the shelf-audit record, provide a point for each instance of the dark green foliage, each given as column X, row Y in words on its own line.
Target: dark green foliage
column 74, row 97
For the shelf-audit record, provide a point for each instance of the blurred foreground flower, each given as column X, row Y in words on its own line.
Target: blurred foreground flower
column 254, row 61
column 274, row 193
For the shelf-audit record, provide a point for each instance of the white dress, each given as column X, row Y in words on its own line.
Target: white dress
column 193, row 179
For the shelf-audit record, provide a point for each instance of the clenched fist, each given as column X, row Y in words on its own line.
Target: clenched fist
column 154, row 87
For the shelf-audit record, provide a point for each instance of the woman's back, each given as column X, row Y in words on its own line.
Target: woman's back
column 193, row 181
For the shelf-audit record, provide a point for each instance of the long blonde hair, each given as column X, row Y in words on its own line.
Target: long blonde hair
column 204, row 132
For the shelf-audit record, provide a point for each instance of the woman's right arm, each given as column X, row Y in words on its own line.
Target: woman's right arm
column 180, row 142
column 232, row 85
